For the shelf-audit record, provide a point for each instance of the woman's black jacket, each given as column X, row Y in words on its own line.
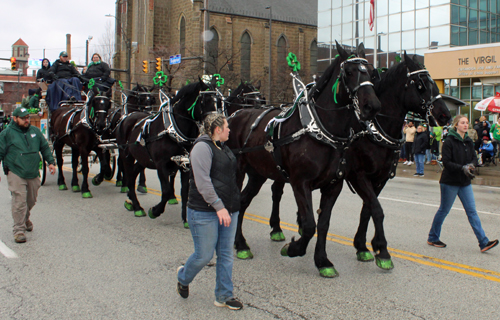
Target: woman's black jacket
column 456, row 153
column 100, row 70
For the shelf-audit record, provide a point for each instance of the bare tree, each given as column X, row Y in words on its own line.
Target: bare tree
column 105, row 45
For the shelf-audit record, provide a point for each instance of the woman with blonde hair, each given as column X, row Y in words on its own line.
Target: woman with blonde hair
column 459, row 160
column 213, row 208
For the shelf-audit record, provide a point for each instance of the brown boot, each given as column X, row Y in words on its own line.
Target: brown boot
column 19, row 238
column 29, row 226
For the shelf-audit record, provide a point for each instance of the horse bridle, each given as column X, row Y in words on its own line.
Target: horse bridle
column 421, row 88
column 201, row 95
column 353, row 94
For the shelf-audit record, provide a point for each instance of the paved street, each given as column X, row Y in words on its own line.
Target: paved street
column 92, row 259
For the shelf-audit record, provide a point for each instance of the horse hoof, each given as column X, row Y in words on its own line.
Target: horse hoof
column 385, row 264
column 87, row 195
column 284, row 250
column 277, row 236
column 186, row 225
column 76, row 188
column 244, row 254
column 140, row 213
column 173, row 201
column 118, row 183
column 128, row 205
column 365, row 256
column 63, row 187
column 328, row 272
column 150, row 214
column 95, row 182
column 108, row 177
column 124, row 190
column 142, row 189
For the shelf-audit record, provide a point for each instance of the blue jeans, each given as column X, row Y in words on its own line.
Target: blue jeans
column 448, row 196
column 429, row 156
column 209, row 236
column 419, row 161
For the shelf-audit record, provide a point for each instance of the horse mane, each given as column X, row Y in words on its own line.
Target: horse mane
column 327, row 75
column 391, row 77
column 186, row 90
column 234, row 93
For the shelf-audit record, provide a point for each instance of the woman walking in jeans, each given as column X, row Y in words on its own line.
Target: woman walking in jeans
column 213, row 207
column 459, row 159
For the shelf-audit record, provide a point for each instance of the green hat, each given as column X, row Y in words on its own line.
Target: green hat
column 63, row 54
column 20, row 112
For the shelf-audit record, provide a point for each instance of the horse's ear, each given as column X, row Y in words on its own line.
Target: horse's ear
column 342, row 53
column 257, row 85
column 361, row 50
column 410, row 63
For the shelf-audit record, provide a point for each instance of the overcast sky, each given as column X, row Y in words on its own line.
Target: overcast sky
column 43, row 24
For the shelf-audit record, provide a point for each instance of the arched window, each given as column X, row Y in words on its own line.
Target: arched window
column 246, row 48
column 282, row 48
column 213, row 53
column 314, row 57
column 182, row 37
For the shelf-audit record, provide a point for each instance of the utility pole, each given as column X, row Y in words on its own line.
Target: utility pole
column 270, row 51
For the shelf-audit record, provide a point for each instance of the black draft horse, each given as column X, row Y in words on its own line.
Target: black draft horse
column 79, row 128
column 155, row 149
column 309, row 163
column 140, row 99
column 373, row 159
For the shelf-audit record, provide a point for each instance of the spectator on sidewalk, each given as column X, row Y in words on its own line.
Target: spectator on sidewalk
column 419, row 147
column 410, row 131
column 495, row 134
column 487, row 150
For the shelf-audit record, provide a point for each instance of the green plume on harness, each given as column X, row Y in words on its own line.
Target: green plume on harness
column 335, row 89
column 91, row 84
column 120, row 83
column 293, row 62
column 192, row 108
column 91, row 115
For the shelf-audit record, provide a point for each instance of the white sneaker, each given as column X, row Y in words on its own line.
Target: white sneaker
column 409, row 163
column 428, row 162
column 406, row 162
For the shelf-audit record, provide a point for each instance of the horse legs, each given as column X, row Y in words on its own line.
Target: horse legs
column 75, row 155
column 329, row 196
column 119, row 172
column 303, row 197
column 373, row 208
column 252, row 188
column 184, row 194
column 105, row 172
column 142, row 182
column 85, row 172
column 58, row 147
column 131, row 170
column 274, row 221
column 172, row 199
column 163, row 174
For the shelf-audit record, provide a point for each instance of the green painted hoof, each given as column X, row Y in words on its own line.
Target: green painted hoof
column 244, row 254
column 365, row 256
column 140, row 213
column 87, row 195
column 385, row 264
column 150, row 214
column 128, row 205
column 284, row 250
column 124, row 190
column 76, row 188
column 95, row 182
column 142, row 189
column 186, row 225
column 63, row 187
column 277, row 236
column 119, row 183
column 328, row 272
column 173, row 201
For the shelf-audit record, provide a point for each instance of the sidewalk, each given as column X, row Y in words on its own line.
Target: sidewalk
column 487, row 176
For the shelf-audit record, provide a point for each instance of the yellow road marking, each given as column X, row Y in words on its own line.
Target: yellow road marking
column 401, row 254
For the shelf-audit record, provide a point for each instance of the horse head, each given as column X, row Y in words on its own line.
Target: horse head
column 98, row 113
column 195, row 100
column 423, row 93
column 346, row 82
column 141, row 98
column 245, row 95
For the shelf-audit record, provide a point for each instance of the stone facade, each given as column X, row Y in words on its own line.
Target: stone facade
column 154, row 27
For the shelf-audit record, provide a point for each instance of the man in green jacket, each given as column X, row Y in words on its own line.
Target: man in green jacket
column 495, row 134
column 20, row 148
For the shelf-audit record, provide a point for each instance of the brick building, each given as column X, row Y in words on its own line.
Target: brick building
column 237, row 46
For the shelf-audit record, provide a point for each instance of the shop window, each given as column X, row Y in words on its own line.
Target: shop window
column 477, row 93
column 454, row 92
column 465, row 93
column 488, row 91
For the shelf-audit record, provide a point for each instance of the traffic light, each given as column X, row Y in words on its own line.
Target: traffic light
column 13, row 65
column 158, row 64
column 145, row 66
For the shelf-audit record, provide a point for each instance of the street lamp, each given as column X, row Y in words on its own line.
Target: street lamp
column 127, row 45
column 87, row 52
column 270, row 50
